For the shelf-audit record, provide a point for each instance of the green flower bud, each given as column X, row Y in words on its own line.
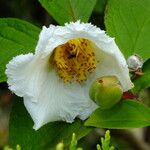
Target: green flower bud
column 106, row 91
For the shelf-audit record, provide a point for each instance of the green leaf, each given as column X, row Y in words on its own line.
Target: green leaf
column 47, row 137
column 144, row 80
column 100, row 5
column 127, row 114
column 128, row 21
column 16, row 37
column 69, row 10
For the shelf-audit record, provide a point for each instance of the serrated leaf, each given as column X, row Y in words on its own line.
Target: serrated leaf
column 128, row 21
column 16, row 37
column 47, row 137
column 144, row 80
column 69, row 10
column 126, row 114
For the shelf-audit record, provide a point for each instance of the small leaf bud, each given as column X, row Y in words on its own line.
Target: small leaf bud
column 135, row 62
column 60, row 146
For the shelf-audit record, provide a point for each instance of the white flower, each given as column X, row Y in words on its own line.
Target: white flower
column 55, row 81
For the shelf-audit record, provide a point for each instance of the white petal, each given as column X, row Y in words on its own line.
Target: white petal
column 46, row 97
column 26, row 75
column 16, row 71
column 58, row 101
column 44, row 37
column 112, row 62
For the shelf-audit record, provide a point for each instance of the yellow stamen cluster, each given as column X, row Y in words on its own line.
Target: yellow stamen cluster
column 74, row 60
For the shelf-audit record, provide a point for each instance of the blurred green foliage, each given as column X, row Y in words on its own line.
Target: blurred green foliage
column 105, row 143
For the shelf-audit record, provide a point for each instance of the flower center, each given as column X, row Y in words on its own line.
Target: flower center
column 74, row 60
